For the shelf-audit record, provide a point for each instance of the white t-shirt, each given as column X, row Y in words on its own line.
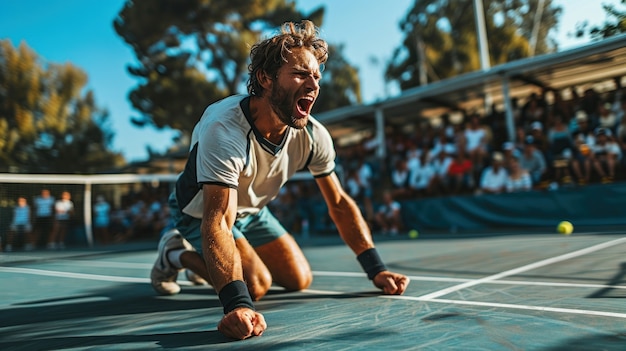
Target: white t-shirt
column 389, row 209
column 491, row 180
column 421, row 177
column 228, row 150
column 63, row 209
column 607, row 148
column 474, row 137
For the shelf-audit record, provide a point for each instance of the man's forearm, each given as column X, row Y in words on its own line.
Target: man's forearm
column 223, row 264
column 221, row 256
column 351, row 225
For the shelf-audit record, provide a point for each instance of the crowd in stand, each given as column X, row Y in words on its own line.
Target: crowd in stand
column 47, row 222
column 557, row 143
column 574, row 142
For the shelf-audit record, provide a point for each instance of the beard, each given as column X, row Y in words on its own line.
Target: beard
column 282, row 103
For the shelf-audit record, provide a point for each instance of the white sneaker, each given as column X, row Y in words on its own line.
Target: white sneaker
column 163, row 275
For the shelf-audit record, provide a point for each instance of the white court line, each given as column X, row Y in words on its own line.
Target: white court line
column 315, row 273
column 462, row 280
column 525, row 268
column 106, row 278
column 109, row 264
column 476, row 303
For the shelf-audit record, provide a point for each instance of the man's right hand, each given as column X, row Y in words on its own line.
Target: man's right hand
column 242, row 323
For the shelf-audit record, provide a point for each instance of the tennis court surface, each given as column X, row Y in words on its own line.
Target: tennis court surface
column 500, row 292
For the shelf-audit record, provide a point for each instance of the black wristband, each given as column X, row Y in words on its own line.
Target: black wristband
column 235, row 294
column 371, row 262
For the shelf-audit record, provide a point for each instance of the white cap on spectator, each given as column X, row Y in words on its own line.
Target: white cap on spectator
column 508, row 146
column 498, row 157
column 581, row 115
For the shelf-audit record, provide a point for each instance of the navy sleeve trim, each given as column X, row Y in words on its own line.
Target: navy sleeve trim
column 220, row 184
column 324, row 174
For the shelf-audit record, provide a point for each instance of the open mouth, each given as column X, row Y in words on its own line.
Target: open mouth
column 304, row 106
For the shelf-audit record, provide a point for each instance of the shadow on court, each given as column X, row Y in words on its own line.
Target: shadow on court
column 618, row 279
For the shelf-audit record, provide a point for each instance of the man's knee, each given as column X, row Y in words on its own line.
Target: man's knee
column 298, row 281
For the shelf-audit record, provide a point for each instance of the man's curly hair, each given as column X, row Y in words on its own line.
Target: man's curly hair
column 270, row 54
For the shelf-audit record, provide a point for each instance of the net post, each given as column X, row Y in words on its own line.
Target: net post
column 87, row 213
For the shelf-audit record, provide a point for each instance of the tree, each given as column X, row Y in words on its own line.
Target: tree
column 191, row 53
column 441, row 42
column 614, row 25
column 47, row 123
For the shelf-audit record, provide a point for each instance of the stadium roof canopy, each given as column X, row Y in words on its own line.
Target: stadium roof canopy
column 592, row 65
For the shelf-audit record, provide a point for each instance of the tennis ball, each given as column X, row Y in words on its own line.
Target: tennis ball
column 413, row 234
column 565, row 228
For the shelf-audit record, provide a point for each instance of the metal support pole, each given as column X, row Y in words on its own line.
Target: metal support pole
column 483, row 45
column 508, row 109
column 380, row 133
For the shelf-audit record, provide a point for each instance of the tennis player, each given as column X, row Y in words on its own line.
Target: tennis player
column 243, row 150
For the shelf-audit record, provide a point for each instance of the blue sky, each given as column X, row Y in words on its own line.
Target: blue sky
column 81, row 32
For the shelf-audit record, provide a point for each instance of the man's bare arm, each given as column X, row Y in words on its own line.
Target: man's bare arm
column 218, row 246
column 356, row 234
column 224, row 266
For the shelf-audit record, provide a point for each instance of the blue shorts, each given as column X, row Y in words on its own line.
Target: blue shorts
column 260, row 228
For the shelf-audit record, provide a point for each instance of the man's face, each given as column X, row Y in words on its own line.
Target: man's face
column 296, row 88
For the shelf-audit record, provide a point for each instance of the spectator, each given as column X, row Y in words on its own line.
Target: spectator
column 533, row 161
column 400, row 179
column 389, row 217
column 561, row 146
column 607, row 118
column 64, row 210
column 519, row 179
column 413, row 155
column 621, row 129
column 606, row 154
column 533, row 110
column 494, row 177
column 540, row 139
column 102, row 220
column 421, row 178
column 589, row 103
column 444, row 142
column 440, row 166
column 583, row 140
column 44, row 217
column 353, row 186
column 476, row 141
column 509, row 151
column 20, row 227
column 460, row 172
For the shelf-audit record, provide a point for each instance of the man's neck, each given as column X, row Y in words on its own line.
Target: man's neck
column 266, row 121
